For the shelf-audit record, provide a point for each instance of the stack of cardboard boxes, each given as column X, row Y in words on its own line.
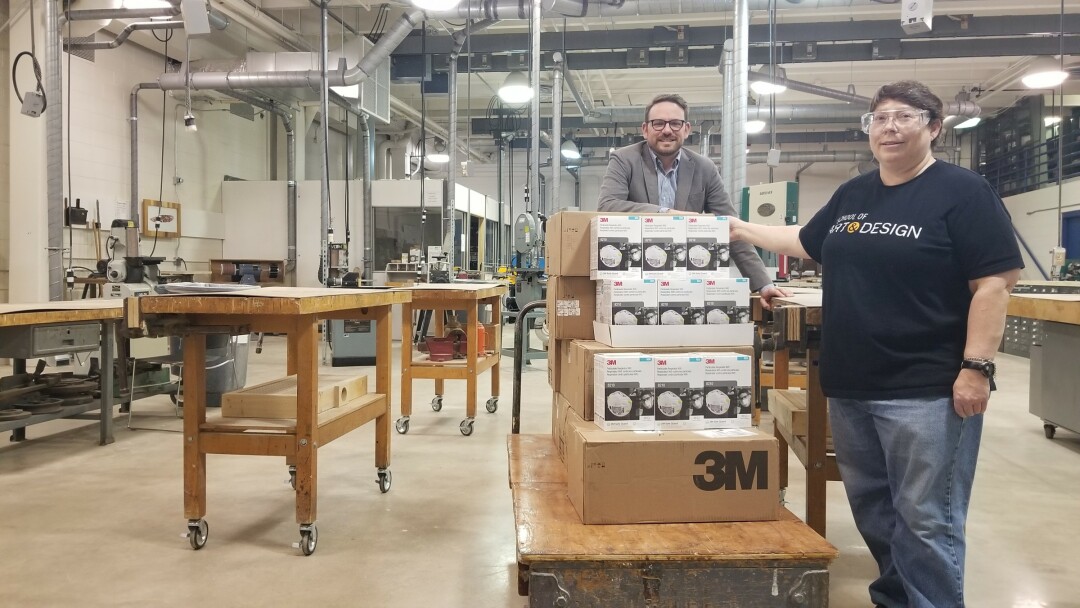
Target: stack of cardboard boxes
column 652, row 395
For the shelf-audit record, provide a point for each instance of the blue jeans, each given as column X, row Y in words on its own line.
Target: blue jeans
column 908, row 466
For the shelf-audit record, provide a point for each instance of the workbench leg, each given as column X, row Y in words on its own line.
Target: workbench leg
column 816, row 471
column 781, row 369
column 291, row 353
column 473, row 336
column 439, row 317
column 383, row 363
column 194, row 417
column 108, row 363
column 307, row 399
column 782, row 453
column 495, row 343
column 406, row 358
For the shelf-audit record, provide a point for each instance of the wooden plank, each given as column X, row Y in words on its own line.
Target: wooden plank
column 273, row 301
column 446, row 295
column 534, row 459
column 277, row 398
column 1057, row 307
column 194, row 417
column 249, row 444
column 795, row 380
column 430, row 372
column 548, row 529
column 351, row 416
column 791, row 406
column 17, row 318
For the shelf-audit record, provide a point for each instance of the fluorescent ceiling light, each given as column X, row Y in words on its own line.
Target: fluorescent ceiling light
column 1051, row 120
column 438, row 157
column 967, row 124
column 766, row 88
column 435, row 5
column 755, row 126
column 350, row 92
column 570, row 150
column 1044, row 73
column 515, row 89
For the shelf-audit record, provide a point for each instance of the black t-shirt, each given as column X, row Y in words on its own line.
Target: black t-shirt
column 896, row 263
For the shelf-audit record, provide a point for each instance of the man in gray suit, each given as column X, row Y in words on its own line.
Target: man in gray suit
column 659, row 176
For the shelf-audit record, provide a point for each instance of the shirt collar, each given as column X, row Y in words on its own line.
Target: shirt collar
column 659, row 165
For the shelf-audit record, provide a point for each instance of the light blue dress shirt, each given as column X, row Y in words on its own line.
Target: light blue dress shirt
column 666, row 183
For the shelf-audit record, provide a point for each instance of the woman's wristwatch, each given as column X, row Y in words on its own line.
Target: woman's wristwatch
column 984, row 366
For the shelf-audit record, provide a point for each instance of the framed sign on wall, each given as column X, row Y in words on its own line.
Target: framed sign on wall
column 161, row 219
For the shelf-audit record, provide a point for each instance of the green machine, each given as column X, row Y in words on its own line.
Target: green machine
column 775, row 204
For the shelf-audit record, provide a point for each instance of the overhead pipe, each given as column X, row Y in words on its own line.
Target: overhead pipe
column 290, row 167
column 324, row 175
column 367, row 205
column 740, row 55
column 449, row 215
column 122, row 37
column 812, row 89
column 534, row 109
column 133, row 118
column 667, row 7
column 556, row 129
column 54, row 159
column 222, row 81
column 585, row 106
column 518, row 9
column 108, row 14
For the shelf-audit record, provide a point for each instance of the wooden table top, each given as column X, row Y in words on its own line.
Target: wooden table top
column 460, row 291
column 272, row 301
column 37, row 313
column 1058, row 307
column 807, row 299
column 549, row 529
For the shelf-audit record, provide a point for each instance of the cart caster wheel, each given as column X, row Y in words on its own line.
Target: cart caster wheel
column 292, row 476
column 198, row 531
column 1049, row 430
column 436, row 403
column 402, row 425
column 466, row 427
column 492, row 405
column 385, row 480
column 309, row 537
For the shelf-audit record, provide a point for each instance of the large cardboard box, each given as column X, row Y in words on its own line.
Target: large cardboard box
column 567, row 242
column 560, row 416
column 571, row 307
column 554, row 363
column 577, row 369
column 671, row 476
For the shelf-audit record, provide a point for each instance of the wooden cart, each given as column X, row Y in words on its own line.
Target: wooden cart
column 470, row 297
column 562, row 562
column 106, row 312
column 296, row 312
column 797, row 322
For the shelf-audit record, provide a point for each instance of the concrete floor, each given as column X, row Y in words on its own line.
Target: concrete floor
column 85, row 525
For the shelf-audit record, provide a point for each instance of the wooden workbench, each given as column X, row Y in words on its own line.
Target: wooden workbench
column 797, row 323
column 108, row 313
column 1052, row 392
column 1056, row 307
column 747, row 564
column 296, row 312
column 441, row 297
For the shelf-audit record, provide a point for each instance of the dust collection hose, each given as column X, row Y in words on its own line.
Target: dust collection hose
column 519, row 356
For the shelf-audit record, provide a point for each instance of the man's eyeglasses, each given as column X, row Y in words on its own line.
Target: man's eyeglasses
column 903, row 119
column 658, row 125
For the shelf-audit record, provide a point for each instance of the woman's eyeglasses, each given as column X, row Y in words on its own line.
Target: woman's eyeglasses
column 658, row 125
column 903, row 119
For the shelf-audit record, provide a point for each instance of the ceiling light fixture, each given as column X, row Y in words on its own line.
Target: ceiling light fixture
column 969, row 123
column 1044, row 73
column 570, row 150
column 755, row 126
column 1051, row 120
column 515, row 89
column 435, row 5
column 762, row 87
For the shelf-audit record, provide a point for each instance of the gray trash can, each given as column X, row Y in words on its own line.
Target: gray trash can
column 226, row 363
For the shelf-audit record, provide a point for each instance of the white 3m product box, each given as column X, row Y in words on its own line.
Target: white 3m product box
column 680, row 301
column 680, row 381
column 615, row 247
column 727, row 301
column 623, row 392
column 708, row 246
column 626, row 301
column 663, row 245
column 728, row 400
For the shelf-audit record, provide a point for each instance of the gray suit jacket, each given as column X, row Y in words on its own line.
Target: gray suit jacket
column 630, row 187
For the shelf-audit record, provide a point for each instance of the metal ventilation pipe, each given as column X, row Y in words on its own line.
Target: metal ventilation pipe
column 556, row 129
column 122, row 37
column 223, row 81
column 740, row 65
column 812, row 89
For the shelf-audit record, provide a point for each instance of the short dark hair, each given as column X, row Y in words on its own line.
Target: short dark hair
column 913, row 93
column 668, row 98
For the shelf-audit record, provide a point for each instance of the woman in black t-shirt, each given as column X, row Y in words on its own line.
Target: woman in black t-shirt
column 918, row 259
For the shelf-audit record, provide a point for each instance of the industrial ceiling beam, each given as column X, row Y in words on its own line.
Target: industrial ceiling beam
column 837, row 31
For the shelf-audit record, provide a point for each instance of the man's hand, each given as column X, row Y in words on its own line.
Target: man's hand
column 770, row 292
column 971, row 392
column 736, row 227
